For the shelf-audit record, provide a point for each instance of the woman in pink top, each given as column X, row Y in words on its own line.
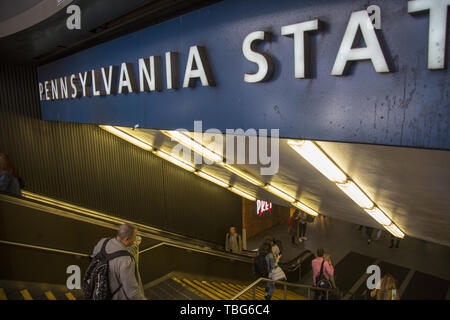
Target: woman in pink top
column 328, row 269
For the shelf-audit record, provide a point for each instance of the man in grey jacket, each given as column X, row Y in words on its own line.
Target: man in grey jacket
column 123, row 273
column 233, row 241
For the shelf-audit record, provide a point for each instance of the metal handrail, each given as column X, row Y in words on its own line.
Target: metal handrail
column 284, row 283
column 45, row 248
column 208, row 251
column 94, row 217
column 223, row 255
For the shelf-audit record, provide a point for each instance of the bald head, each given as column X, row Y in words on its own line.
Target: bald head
column 127, row 234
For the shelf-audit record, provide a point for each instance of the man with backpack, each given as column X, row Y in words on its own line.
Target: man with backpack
column 112, row 273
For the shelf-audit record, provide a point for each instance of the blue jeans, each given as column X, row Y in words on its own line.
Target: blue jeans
column 270, row 288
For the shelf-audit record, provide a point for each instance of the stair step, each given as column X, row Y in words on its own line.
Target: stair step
column 50, row 295
column 210, row 288
column 183, row 290
column 3, row 294
column 189, row 288
column 70, row 296
column 201, row 289
column 26, row 294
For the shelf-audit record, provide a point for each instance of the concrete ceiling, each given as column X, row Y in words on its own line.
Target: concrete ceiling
column 412, row 186
column 35, row 31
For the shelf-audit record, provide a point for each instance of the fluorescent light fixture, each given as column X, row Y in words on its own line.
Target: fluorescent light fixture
column 305, row 208
column 175, row 161
column 197, row 147
column 392, row 228
column 127, row 137
column 242, row 194
column 318, row 159
column 379, row 216
column 279, row 193
column 356, row 194
column 244, row 175
column 212, row 179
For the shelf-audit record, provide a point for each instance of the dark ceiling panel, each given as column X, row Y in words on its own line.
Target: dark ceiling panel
column 101, row 20
column 9, row 9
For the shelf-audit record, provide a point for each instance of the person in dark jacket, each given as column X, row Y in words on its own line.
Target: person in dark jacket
column 9, row 180
column 293, row 225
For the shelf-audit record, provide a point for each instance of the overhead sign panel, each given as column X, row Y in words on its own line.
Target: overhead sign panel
column 322, row 70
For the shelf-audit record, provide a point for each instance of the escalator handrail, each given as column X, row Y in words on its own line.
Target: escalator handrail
column 95, row 217
column 209, row 251
column 44, row 248
column 205, row 251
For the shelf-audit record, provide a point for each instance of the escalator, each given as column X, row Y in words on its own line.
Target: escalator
column 41, row 237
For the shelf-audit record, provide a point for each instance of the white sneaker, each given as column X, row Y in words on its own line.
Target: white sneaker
column 305, row 238
column 300, row 239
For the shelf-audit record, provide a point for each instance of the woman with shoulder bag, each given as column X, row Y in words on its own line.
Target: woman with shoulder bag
column 275, row 273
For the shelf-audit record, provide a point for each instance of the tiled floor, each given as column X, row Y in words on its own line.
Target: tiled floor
column 339, row 238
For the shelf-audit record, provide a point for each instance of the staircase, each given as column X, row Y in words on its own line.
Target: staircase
column 15, row 290
column 351, row 276
column 177, row 286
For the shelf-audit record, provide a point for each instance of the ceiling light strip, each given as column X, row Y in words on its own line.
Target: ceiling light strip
column 242, row 194
column 243, row 175
column 356, row 194
column 212, row 179
column 305, row 208
column 392, row 228
column 175, row 161
column 279, row 193
column 197, row 147
column 318, row 159
column 379, row 216
column 127, row 137
column 190, row 143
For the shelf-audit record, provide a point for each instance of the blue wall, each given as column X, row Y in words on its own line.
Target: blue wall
column 409, row 107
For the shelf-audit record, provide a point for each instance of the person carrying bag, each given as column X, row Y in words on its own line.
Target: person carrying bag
column 322, row 282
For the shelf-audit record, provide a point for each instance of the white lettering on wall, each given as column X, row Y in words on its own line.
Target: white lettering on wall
column 197, row 67
column 263, row 60
column 150, row 74
column 109, row 81
column 127, row 80
column 437, row 28
column 301, row 44
column 373, row 51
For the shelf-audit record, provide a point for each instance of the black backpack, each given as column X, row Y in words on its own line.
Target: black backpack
column 321, row 281
column 96, row 281
column 260, row 266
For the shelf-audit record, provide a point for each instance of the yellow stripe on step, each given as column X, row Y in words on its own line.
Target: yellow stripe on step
column 3, row 294
column 191, row 289
column 207, row 287
column 49, row 295
column 70, row 296
column 26, row 295
column 219, row 289
column 205, row 292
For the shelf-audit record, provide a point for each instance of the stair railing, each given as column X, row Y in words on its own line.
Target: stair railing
column 285, row 285
column 24, row 245
column 67, row 210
